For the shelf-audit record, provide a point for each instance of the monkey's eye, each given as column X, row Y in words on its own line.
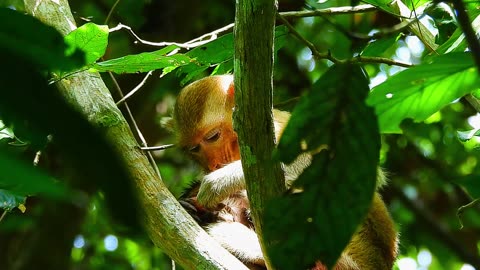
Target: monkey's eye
column 194, row 149
column 212, row 136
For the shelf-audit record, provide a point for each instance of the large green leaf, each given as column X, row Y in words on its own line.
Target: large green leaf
column 85, row 154
column 23, row 179
column 39, row 43
column 420, row 91
column 219, row 52
column 317, row 223
column 91, row 39
column 144, row 62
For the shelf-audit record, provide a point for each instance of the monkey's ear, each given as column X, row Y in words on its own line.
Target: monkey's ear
column 168, row 123
column 231, row 94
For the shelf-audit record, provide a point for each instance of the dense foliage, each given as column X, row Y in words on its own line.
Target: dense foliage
column 420, row 60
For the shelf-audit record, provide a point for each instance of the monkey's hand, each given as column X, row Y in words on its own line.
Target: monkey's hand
column 201, row 215
column 220, row 184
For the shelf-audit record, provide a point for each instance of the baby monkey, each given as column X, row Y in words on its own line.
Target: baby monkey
column 202, row 122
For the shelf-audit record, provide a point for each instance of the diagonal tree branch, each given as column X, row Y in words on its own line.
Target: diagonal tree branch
column 166, row 222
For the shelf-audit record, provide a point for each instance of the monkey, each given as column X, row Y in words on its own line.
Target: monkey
column 229, row 223
column 202, row 122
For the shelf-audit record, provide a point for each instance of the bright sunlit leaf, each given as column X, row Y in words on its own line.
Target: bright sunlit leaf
column 90, row 38
column 420, row 91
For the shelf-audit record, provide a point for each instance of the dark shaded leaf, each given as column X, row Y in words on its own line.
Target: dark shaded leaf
column 317, row 223
column 42, row 45
column 43, row 111
column 23, row 179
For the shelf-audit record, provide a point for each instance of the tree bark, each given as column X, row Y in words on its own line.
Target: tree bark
column 253, row 119
column 166, row 222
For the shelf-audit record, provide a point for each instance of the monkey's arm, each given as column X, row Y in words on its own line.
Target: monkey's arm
column 241, row 241
column 218, row 185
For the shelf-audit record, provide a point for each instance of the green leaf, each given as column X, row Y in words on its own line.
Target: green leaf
column 5, row 132
column 81, row 147
column 23, row 179
column 385, row 5
column 467, row 135
column 444, row 20
column 143, row 62
column 318, row 223
column 36, row 42
column 457, row 41
column 380, row 46
column 91, row 39
column 220, row 52
column 420, row 91
column 10, row 200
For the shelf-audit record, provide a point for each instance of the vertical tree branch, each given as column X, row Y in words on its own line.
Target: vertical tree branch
column 253, row 119
column 468, row 31
column 166, row 222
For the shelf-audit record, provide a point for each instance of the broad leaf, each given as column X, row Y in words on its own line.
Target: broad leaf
column 82, row 147
column 420, row 91
column 23, row 180
column 333, row 120
column 379, row 47
column 91, row 39
column 143, row 62
column 219, row 52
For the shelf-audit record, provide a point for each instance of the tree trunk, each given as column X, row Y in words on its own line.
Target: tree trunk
column 253, row 119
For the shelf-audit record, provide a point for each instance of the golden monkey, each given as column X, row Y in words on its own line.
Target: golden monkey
column 202, row 121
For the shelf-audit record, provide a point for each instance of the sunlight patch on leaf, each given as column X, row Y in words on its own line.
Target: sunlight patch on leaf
column 91, row 39
column 421, row 91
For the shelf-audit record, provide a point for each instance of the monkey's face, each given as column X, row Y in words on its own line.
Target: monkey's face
column 215, row 146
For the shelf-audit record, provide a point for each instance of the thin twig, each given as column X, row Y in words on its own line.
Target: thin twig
column 331, row 11
column 436, row 228
column 157, row 148
column 377, row 35
column 329, row 56
column 135, row 126
column 471, row 37
column 202, row 40
column 461, row 209
column 310, row 45
column 140, row 85
column 111, row 12
column 474, row 102
column 3, row 215
column 199, row 41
